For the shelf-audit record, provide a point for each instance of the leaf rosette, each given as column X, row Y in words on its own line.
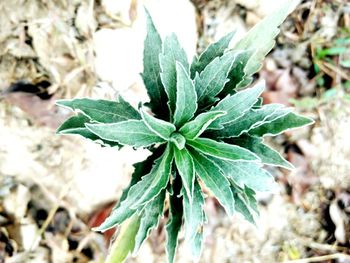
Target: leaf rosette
column 205, row 129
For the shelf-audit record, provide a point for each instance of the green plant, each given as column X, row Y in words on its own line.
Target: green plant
column 205, row 131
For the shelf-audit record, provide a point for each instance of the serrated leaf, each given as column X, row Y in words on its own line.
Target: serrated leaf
column 76, row 125
column 194, row 219
column 133, row 133
column 251, row 119
column 267, row 155
column 214, row 50
column 222, row 150
column 161, row 128
column 248, row 174
column 186, row 98
column 193, row 129
column 151, row 70
column 237, row 104
column 172, row 52
column 141, row 169
column 242, row 206
column 104, row 111
column 236, row 75
column 125, row 242
column 261, row 37
column 279, row 125
column 213, row 78
column 249, row 195
column 149, row 219
column 174, row 224
column 214, row 180
column 156, row 180
column 142, row 192
column 178, row 140
column 185, row 166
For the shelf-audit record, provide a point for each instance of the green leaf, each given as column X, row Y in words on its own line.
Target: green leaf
column 249, row 196
column 172, row 52
column 222, row 150
column 236, row 75
column 161, row 128
column 178, row 140
column 174, row 225
column 153, row 183
column 261, row 37
column 141, row 169
column 133, row 133
column 277, row 126
column 186, row 98
column 248, row 174
column 125, row 242
column 267, row 155
column 152, row 69
column 214, row 180
column 251, row 119
column 104, row 111
column 237, row 104
column 76, row 125
column 194, row 220
column 214, row 50
column 149, row 219
column 213, row 78
column 333, row 51
column 144, row 191
column 243, row 208
column 185, row 166
column 193, row 129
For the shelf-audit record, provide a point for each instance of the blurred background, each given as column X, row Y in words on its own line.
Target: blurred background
column 53, row 189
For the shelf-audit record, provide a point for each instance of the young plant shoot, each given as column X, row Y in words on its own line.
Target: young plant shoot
column 205, row 129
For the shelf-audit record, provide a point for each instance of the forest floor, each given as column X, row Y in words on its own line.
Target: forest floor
column 53, row 189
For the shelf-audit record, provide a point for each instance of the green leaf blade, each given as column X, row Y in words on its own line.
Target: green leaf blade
column 161, row 128
column 158, row 178
column 214, row 180
column 267, row 155
column 194, row 219
column 194, row 128
column 243, row 208
column 75, row 125
column 237, row 104
column 104, row 111
column 213, row 78
column 133, row 133
column 248, row 174
column 142, row 192
column 186, row 97
column 250, row 120
column 125, row 242
column 149, row 219
column 172, row 52
column 185, row 166
column 261, row 37
column 237, row 75
column 214, row 50
column 222, row 150
column 279, row 125
column 152, row 69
